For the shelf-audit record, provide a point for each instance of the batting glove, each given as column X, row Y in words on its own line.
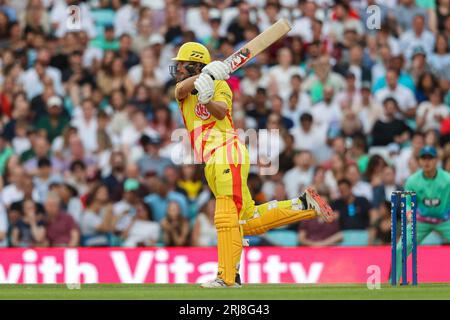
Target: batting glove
column 205, row 88
column 218, row 70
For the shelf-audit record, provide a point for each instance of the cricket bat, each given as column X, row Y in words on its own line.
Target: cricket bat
column 259, row 43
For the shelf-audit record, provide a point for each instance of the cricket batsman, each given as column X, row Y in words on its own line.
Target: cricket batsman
column 207, row 117
column 432, row 187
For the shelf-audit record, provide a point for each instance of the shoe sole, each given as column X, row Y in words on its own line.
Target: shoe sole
column 325, row 211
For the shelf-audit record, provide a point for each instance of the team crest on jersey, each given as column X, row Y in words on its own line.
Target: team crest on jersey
column 202, row 112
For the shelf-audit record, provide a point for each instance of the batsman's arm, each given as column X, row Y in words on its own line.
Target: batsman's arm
column 185, row 87
column 217, row 108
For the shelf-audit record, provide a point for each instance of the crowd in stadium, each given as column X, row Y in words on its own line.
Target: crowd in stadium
column 87, row 114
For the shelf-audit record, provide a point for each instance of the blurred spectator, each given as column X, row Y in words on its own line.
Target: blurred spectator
column 359, row 187
column 162, row 196
column 380, row 233
column 29, row 231
column 114, row 181
column 4, row 226
column 367, row 108
column 308, row 136
column 415, row 36
column 45, row 177
column 299, row 177
column 125, row 209
column 354, row 212
column 175, row 227
column 142, row 231
column 53, row 123
column 383, row 188
column 5, row 153
column 316, row 233
column 204, row 232
column 406, row 102
column 61, row 229
column 389, row 129
column 20, row 186
column 97, row 220
column 431, row 113
column 70, row 202
column 151, row 162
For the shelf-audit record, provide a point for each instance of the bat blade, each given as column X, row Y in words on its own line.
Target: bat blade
column 261, row 42
column 258, row 44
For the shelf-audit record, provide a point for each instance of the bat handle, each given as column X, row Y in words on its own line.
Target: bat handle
column 194, row 92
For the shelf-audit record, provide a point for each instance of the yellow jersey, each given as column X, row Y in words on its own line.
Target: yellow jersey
column 206, row 132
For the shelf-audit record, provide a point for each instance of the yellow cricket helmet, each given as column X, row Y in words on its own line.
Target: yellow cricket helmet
column 193, row 51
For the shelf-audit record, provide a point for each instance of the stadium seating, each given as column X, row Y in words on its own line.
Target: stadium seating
column 355, row 238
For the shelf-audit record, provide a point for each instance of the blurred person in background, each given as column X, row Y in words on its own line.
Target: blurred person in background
column 380, row 232
column 299, row 177
column 97, row 219
column 316, row 233
column 204, row 232
column 382, row 189
column 355, row 213
column 54, row 121
column 143, row 230
column 162, row 196
column 359, row 187
column 61, row 229
column 114, row 181
column 389, row 129
column 394, row 90
column 125, row 209
column 29, row 230
column 4, row 227
column 151, row 161
column 19, row 186
column 70, row 202
column 175, row 226
column 431, row 113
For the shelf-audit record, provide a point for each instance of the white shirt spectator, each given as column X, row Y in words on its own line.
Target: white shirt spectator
column 302, row 27
column 439, row 61
column 3, row 227
column 142, row 231
column 126, row 20
column 135, row 75
column 75, row 209
column 195, row 22
column 311, row 140
column 90, row 222
column 363, row 189
column 11, row 194
column 283, row 78
column 33, row 85
column 404, row 96
column 87, row 132
column 60, row 15
column 431, row 113
column 91, row 54
column 296, row 180
column 248, row 86
column 409, row 40
column 127, row 211
column 208, row 234
column 326, row 114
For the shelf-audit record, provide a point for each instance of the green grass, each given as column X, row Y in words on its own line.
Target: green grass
column 253, row 292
